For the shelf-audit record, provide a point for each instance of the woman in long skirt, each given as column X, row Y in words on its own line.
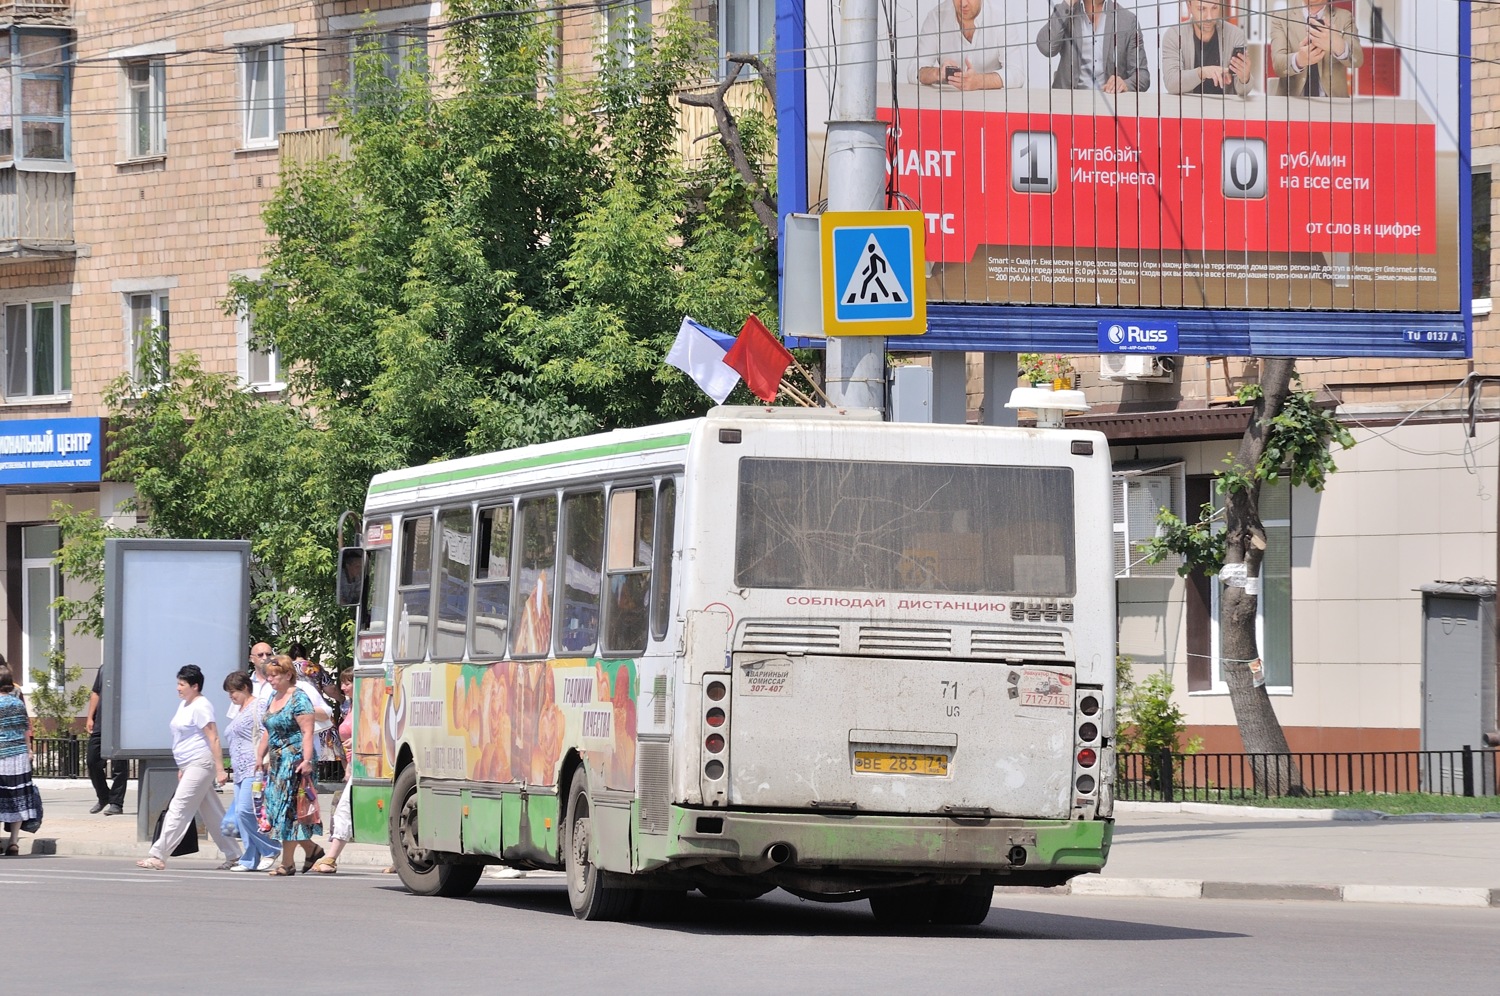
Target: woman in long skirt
column 286, row 755
column 19, row 800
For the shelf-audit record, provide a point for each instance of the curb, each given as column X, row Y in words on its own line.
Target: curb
column 355, row 855
column 1323, row 815
column 1177, row 888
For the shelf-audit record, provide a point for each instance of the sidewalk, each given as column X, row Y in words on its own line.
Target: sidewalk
column 69, row 828
column 1196, row 850
column 1186, row 850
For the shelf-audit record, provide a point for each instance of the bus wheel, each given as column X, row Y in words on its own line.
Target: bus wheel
column 964, row 905
column 414, row 864
column 907, row 907
column 594, row 894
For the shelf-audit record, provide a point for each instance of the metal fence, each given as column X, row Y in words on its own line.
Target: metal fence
column 67, row 757
column 1171, row 777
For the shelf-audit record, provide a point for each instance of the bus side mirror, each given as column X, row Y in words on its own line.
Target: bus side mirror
column 351, row 587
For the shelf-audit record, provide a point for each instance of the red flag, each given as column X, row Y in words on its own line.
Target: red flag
column 760, row 358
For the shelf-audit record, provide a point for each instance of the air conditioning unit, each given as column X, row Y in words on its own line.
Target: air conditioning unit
column 1136, row 366
column 1142, row 489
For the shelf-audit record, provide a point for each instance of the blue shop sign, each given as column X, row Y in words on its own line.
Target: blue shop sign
column 51, row 450
column 1137, row 335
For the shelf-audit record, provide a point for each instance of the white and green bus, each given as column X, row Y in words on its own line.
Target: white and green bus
column 766, row 648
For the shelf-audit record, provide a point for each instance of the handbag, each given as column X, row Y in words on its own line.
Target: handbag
column 33, row 801
column 189, row 842
column 307, row 801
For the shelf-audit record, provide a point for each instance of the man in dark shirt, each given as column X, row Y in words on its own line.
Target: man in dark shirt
column 111, row 794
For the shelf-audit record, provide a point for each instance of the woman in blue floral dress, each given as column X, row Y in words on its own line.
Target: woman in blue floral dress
column 286, row 754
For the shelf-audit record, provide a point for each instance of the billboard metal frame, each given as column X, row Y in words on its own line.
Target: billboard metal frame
column 1011, row 328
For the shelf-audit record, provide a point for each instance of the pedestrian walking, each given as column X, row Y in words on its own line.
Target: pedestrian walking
column 200, row 767
column 20, row 802
column 343, row 824
column 110, row 793
column 315, row 680
column 242, row 736
column 286, row 756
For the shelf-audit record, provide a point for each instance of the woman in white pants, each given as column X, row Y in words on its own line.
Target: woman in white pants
column 200, row 767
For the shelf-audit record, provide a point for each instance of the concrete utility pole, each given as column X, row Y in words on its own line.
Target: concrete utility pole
column 856, row 182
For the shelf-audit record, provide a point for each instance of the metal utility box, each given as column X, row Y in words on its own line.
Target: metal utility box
column 1458, row 675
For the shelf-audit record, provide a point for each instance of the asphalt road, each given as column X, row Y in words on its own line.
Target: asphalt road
column 73, row 924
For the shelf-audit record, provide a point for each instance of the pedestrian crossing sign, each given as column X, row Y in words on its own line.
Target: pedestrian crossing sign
column 874, row 273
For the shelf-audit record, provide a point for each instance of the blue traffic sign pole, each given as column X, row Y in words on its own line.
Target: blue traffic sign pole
column 856, row 372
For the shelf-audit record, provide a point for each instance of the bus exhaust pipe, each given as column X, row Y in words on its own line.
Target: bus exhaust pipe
column 779, row 854
column 1017, row 856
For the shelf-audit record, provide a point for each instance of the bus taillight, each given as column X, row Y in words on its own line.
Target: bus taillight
column 1087, row 757
column 714, row 743
column 1088, row 705
column 714, row 717
column 715, row 691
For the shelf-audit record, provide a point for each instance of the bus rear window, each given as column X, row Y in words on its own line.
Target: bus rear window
column 905, row 527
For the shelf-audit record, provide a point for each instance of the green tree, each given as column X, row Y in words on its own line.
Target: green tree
column 1290, row 436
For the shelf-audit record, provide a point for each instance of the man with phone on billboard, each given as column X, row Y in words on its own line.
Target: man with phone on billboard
column 965, row 46
column 1205, row 55
column 1313, row 46
column 1100, row 47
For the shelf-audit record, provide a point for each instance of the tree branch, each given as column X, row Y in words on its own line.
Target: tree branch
column 761, row 199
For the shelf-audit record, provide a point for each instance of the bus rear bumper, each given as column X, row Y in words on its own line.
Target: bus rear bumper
column 992, row 846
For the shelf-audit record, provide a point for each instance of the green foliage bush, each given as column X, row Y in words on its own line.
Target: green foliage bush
column 1148, row 722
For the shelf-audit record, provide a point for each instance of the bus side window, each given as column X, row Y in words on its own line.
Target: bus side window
column 583, row 553
column 455, row 554
column 661, row 577
column 492, row 582
column 375, row 604
column 627, row 567
column 415, row 586
column 537, row 553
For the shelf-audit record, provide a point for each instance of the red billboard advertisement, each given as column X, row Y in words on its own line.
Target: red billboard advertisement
column 1171, row 155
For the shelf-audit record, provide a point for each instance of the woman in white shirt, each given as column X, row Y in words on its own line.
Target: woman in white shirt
column 195, row 748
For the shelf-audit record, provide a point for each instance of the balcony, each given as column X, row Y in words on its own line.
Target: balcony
column 36, row 214
column 312, row 145
column 36, row 12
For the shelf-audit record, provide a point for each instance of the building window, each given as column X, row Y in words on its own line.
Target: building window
column 260, row 360
column 1481, row 227
column 149, row 317
column 398, row 51
column 1273, row 618
column 146, row 82
column 264, row 75
column 624, row 21
column 38, row 360
column 39, row 588
column 35, row 89
column 746, row 27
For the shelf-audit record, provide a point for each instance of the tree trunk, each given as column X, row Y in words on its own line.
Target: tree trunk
column 1260, row 730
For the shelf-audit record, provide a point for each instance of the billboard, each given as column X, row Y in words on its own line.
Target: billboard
column 1263, row 177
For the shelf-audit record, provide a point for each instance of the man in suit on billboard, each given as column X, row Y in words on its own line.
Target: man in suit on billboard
column 966, row 45
column 1206, row 54
column 1312, row 48
column 1100, row 47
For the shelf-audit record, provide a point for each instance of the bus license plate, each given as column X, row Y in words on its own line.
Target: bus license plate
column 891, row 763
